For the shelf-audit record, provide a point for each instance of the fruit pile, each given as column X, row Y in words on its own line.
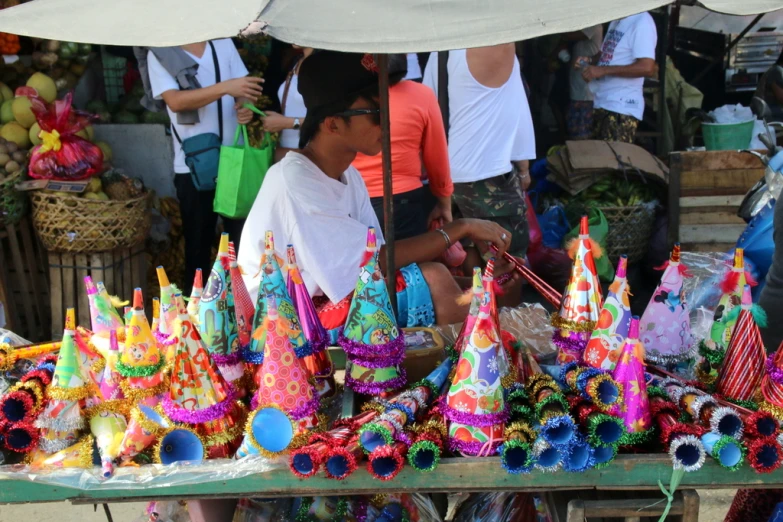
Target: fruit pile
column 16, row 111
column 12, row 158
column 113, row 185
column 609, row 192
column 127, row 110
column 9, row 44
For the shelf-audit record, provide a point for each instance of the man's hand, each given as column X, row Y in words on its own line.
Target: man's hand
column 592, row 72
column 523, row 169
column 276, row 122
column 503, row 267
column 244, row 116
column 442, row 211
column 247, row 87
column 484, row 233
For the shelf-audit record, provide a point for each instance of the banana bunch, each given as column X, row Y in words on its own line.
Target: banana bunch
column 612, row 192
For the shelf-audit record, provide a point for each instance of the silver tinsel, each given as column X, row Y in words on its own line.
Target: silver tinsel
column 721, row 413
column 687, row 440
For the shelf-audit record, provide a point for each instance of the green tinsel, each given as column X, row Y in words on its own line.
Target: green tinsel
column 303, row 515
column 751, row 405
column 139, row 371
column 685, row 417
column 522, row 412
column 555, row 397
column 424, row 445
column 515, row 443
column 637, row 438
column 427, row 384
column 518, row 394
column 451, row 353
column 657, row 391
column 606, row 464
column 723, row 441
column 378, row 429
column 713, row 356
column 592, row 425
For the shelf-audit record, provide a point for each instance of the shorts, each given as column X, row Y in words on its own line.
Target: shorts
column 414, row 304
column 579, row 120
column 612, row 126
column 499, row 199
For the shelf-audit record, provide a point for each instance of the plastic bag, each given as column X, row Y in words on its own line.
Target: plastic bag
column 552, row 265
column 534, row 229
column 63, row 155
column 554, row 226
column 599, row 229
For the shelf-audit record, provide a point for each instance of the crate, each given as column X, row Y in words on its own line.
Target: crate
column 114, row 68
column 24, row 289
column 705, row 192
column 627, row 506
column 121, row 270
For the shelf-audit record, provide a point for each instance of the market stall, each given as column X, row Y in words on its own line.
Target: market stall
column 555, row 410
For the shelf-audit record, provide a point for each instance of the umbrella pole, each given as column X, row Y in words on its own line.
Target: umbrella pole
column 388, row 193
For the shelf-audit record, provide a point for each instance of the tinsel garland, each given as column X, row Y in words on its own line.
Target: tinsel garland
column 721, row 444
column 764, row 455
column 134, row 394
column 564, row 324
column 637, row 438
column 16, row 406
column 721, row 413
column 657, row 391
column 604, row 456
column 473, row 448
column 776, row 411
column 573, row 466
column 705, row 377
column 210, row 413
column 516, row 444
column 591, row 390
column 310, row 452
column 382, row 431
column 118, row 406
column 145, row 423
column 376, row 388
column 139, row 371
column 555, row 398
column 594, row 424
column 393, row 350
column 420, row 446
column 252, row 439
column 386, row 452
column 714, row 356
column 41, row 374
column 69, row 394
column 553, row 424
column 156, row 452
column 540, row 447
column 225, row 437
column 303, row 513
column 773, row 372
column 21, row 437
column 681, row 442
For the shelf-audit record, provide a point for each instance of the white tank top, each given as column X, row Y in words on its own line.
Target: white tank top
column 294, row 108
column 489, row 127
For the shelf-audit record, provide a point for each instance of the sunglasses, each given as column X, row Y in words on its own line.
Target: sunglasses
column 375, row 113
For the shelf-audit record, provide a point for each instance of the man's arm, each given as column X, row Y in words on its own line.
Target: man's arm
column 641, row 68
column 247, row 87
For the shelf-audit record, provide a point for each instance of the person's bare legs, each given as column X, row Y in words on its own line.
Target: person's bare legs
column 445, row 292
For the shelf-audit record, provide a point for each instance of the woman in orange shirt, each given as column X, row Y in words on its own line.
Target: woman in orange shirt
column 419, row 151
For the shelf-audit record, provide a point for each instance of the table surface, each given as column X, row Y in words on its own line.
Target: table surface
column 628, row 472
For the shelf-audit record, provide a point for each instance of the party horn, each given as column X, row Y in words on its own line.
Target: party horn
column 761, row 424
column 18, row 405
column 179, row 445
column 306, row 461
column 82, row 454
column 342, row 461
column 602, row 429
column 385, row 462
column 145, row 427
column 681, row 440
column 604, row 455
column 546, row 291
column 705, row 409
column 269, row 431
column 727, row 451
column 580, row 456
column 764, row 454
column 21, row 437
column 516, row 453
column 9, row 355
column 600, row 388
column 546, row 457
column 687, row 453
column 108, row 428
column 424, row 453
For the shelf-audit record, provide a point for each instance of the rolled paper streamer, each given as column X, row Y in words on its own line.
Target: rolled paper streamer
column 727, row 451
column 726, row 421
column 603, row 429
column 269, row 431
column 342, row 461
column 604, row 455
column 764, row 454
column 179, row 445
column 580, row 456
column 761, row 424
column 386, row 462
column 687, row 453
column 305, row 462
column 144, row 428
column 516, row 453
column 17, row 406
column 108, row 428
column 558, row 430
column 548, row 458
column 9, row 354
column 601, row 388
column 20, row 437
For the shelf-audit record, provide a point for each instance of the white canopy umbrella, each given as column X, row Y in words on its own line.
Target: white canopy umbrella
column 379, row 26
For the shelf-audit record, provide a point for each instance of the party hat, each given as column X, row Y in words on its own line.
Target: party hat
column 476, row 293
column 732, row 288
column 614, row 321
column 665, row 328
column 581, row 304
column 273, row 283
column 743, row 367
column 168, row 309
column 215, row 315
column 141, row 355
column 108, row 428
column 285, row 382
column 103, row 315
column 110, row 382
column 371, row 339
column 155, row 324
column 195, row 295
column 474, row 404
column 319, row 363
column 772, row 383
column 243, row 304
column 145, row 426
column 635, row 410
column 78, row 455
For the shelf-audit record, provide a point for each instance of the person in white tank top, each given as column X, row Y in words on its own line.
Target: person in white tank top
column 490, row 135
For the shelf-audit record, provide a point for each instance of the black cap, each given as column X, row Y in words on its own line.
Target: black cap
column 328, row 77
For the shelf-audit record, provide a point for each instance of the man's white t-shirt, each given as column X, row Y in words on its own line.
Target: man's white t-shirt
column 231, row 67
column 626, row 41
column 488, row 127
column 325, row 219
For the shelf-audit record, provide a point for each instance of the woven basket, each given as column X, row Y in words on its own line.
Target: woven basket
column 13, row 204
column 68, row 223
column 630, row 229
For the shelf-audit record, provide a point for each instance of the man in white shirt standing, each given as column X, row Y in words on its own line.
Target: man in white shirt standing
column 627, row 57
column 234, row 89
column 491, row 138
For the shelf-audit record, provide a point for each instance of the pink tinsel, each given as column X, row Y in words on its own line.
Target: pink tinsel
column 216, row 411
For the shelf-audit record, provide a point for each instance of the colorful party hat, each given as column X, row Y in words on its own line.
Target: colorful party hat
column 103, row 315
column 195, row 295
column 78, row 455
column 581, row 304
column 614, row 322
column 243, row 304
column 319, row 363
column 732, row 288
column 273, row 283
column 70, row 385
column 772, row 383
column 155, row 324
column 371, row 340
column 285, row 382
column 476, row 293
column 168, row 309
column 141, row 355
column 216, row 317
column 743, row 367
column 474, row 405
column 629, row 372
column 108, row 428
column 110, row 382
column 665, row 328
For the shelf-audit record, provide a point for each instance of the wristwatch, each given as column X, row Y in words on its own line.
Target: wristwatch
column 296, row 123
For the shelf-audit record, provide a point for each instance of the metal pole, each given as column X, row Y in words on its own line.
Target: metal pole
column 388, row 192
column 727, row 51
column 443, row 88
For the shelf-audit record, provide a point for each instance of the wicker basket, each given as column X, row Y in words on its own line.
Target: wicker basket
column 68, row 223
column 630, row 229
column 13, row 204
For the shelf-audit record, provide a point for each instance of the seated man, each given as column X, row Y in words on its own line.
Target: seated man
column 315, row 200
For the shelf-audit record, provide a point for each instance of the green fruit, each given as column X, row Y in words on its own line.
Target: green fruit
column 16, row 133
column 85, row 48
column 94, row 185
column 68, row 50
column 35, row 130
column 44, row 85
column 23, row 111
column 6, row 112
column 90, row 132
column 6, row 92
column 96, row 106
column 106, row 149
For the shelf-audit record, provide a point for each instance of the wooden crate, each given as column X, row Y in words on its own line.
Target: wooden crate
column 121, row 270
column 24, row 288
column 705, row 192
column 628, row 506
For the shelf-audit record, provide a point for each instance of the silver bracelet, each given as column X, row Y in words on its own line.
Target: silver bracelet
column 446, row 237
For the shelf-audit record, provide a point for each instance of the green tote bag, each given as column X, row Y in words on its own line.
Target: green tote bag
column 240, row 174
